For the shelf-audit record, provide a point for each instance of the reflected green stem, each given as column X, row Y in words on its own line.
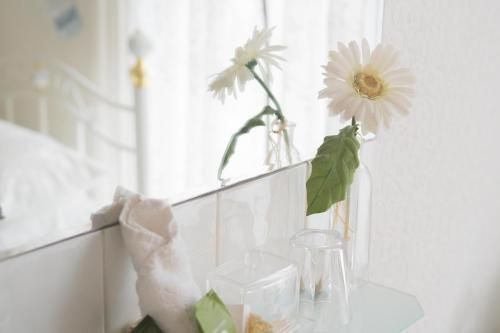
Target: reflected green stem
column 279, row 113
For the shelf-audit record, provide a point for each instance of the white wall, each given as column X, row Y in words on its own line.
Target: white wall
column 27, row 30
column 436, row 207
column 28, row 36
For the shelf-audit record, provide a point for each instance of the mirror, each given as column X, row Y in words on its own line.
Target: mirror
column 98, row 94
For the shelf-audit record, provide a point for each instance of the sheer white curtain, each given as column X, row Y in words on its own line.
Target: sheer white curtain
column 193, row 39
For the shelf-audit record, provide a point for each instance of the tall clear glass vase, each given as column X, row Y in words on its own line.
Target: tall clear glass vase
column 352, row 219
column 278, row 153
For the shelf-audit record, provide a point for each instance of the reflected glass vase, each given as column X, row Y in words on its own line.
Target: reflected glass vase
column 352, row 219
column 279, row 154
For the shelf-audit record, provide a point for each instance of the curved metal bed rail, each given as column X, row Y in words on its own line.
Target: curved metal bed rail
column 52, row 82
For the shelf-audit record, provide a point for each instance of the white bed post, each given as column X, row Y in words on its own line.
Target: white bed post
column 140, row 46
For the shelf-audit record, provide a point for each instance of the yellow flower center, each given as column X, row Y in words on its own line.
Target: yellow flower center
column 368, row 85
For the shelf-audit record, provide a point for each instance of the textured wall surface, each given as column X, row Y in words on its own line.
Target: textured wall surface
column 436, row 174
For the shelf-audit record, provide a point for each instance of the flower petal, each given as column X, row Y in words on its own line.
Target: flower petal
column 353, row 46
column 275, row 48
column 324, row 93
column 337, row 105
column 223, row 83
column 360, row 114
column 403, row 80
column 346, row 54
column 338, row 59
column 334, row 69
column 335, row 83
column 404, row 99
column 335, row 88
column 390, row 59
column 397, row 104
column 341, row 91
column 401, row 76
column 407, row 91
column 270, row 61
column 366, row 51
column 376, row 56
column 342, row 104
column 383, row 111
column 352, row 109
column 370, row 123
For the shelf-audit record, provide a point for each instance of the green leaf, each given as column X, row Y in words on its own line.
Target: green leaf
column 212, row 315
column 251, row 123
column 332, row 170
column 147, row 325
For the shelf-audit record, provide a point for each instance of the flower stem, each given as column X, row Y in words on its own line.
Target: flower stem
column 353, row 124
column 279, row 113
column 249, row 124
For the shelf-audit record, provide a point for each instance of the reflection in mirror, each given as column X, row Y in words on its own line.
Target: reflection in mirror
column 95, row 94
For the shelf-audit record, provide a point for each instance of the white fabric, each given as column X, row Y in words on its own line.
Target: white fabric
column 194, row 39
column 45, row 188
column 165, row 285
column 37, row 172
column 62, row 218
column 111, row 213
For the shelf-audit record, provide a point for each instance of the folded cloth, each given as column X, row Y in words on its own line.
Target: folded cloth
column 111, row 213
column 165, row 285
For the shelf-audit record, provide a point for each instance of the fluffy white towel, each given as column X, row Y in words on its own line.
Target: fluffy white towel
column 166, row 289
column 111, row 213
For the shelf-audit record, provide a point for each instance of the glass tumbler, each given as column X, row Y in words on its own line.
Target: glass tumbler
column 266, row 284
column 324, row 290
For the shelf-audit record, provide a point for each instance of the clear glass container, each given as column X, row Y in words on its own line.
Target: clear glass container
column 278, row 154
column 352, row 219
column 324, row 289
column 266, row 283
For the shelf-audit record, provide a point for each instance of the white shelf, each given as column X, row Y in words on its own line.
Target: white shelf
column 379, row 309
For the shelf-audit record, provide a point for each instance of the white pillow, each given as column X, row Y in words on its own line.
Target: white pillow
column 37, row 172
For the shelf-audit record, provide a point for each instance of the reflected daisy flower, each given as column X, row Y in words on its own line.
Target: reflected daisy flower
column 368, row 86
column 255, row 53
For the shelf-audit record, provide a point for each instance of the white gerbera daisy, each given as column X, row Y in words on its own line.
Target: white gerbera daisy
column 255, row 52
column 369, row 89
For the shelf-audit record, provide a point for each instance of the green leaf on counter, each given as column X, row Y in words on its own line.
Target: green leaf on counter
column 147, row 325
column 212, row 315
column 332, row 170
column 250, row 124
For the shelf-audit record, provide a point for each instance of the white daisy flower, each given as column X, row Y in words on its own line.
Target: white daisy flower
column 367, row 85
column 255, row 52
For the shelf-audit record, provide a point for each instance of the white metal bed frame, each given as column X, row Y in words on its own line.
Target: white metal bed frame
column 55, row 82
